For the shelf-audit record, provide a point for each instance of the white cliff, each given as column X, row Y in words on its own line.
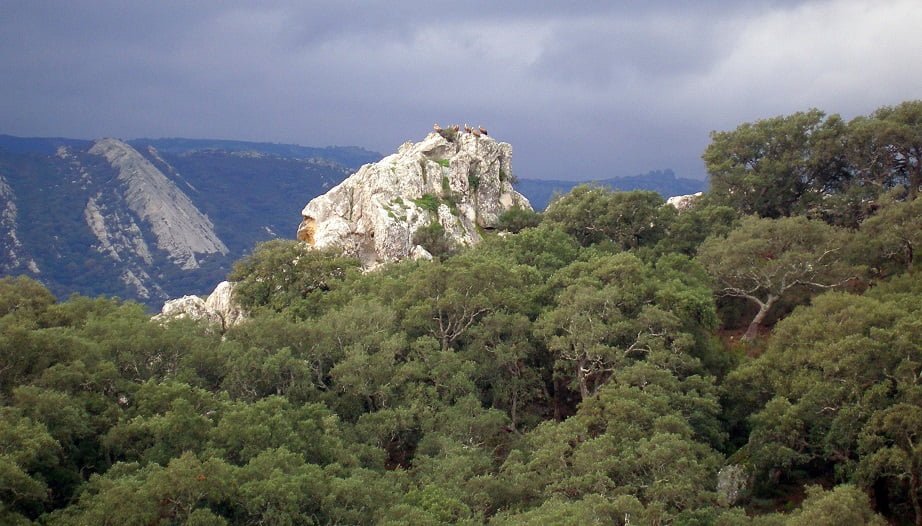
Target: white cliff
column 179, row 227
column 458, row 179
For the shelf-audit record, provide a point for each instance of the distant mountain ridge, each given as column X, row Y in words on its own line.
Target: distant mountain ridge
column 541, row 191
column 348, row 156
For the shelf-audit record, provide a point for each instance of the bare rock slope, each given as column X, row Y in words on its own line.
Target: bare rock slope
column 458, row 179
column 11, row 249
column 180, row 228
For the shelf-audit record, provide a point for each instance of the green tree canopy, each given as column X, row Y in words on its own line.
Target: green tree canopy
column 837, row 391
column 769, row 166
column 595, row 214
column 765, row 260
column 288, row 275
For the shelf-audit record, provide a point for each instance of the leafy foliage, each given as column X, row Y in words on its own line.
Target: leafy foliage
column 627, row 219
column 428, row 202
column 282, row 274
column 434, row 239
column 765, row 260
column 819, row 165
column 517, row 219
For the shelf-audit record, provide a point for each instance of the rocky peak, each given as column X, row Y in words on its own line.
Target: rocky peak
column 459, row 179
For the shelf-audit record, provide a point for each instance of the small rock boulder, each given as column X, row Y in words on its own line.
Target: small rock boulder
column 219, row 308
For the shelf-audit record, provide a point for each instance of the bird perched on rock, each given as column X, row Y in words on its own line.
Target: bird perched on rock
column 436, row 127
column 455, row 128
column 467, row 128
column 475, row 132
column 482, row 130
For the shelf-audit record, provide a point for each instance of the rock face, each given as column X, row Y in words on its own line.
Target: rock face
column 219, row 308
column 180, row 228
column 11, row 249
column 684, row 202
column 221, row 301
column 457, row 179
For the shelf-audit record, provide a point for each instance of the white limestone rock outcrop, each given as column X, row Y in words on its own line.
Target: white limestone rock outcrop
column 734, row 484
column 221, row 301
column 684, row 202
column 219, row 308
column 460, row 180
column 419, row 253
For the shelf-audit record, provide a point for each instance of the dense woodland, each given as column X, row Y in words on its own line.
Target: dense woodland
column 599, row 363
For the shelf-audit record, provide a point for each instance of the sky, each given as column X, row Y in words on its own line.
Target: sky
column 582, row 90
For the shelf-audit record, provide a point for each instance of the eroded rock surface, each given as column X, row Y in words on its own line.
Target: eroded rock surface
column 12, row 256
column 733, row 484
column 180, row 228
column 218, row 308
column 684, row 202
column 459, row 180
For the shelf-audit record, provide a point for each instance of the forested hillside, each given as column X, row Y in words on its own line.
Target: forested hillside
column 755, row 359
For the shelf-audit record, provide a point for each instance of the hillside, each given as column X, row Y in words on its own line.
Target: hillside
column 151, row 219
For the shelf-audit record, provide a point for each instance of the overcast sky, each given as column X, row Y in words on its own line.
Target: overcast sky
column 582, row 90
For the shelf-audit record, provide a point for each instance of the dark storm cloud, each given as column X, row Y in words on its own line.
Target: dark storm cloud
column 592, row 89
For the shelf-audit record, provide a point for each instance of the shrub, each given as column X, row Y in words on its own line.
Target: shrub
column 428, row 202
column 280, row 274
column 433, row 238
column 473, row 181
column 517, row 219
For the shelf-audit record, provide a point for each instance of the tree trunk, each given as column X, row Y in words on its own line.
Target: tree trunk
column 583, row 380
column 915, row 180
column 881, row 495
column 914, row 497
column 558, row 403
column 753, row 328
column 513, row 411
